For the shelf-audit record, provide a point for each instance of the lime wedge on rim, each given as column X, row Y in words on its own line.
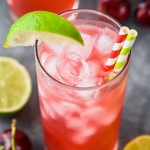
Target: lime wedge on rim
column 140, row 143
column 41, row 25
column 15, row 83
column 15, row 86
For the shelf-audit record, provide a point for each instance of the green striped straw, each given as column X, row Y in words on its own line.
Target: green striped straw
column 125, row 51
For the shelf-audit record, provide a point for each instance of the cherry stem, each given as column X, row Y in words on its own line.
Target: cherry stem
column 13, row 132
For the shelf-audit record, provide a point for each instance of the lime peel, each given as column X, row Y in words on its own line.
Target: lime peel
column 16, row 88
column 41, row 25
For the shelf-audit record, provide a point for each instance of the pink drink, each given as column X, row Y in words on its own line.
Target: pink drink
column 80, row 110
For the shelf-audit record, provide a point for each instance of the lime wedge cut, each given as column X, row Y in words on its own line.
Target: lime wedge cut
column 41, row 25
column 15, row 86
column 139, row 143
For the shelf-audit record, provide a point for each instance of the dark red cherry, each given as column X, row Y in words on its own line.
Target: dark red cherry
column 119, row 9
column 143, row 13
column 21, row 140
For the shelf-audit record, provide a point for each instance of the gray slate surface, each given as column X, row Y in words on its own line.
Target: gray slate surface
column 136, row 114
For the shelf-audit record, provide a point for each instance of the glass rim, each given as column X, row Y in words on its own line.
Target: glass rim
column 83, row 88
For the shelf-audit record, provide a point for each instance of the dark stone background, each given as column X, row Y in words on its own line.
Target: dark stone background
column 136, row 114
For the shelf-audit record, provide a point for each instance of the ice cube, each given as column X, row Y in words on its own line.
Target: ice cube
column 92, row 114
column 72, row 69
column 105, row 41
column 58, row 109
column 90, row 82
column 94, row 69
column 89, row 40
column 75, row 124
column 65, row 110
column 50, row 65
column 82, row 137
column 89, row 94
column 58, row 49
column 73, row 110
column 81, row 131
column 96, row 116
column 83, row 51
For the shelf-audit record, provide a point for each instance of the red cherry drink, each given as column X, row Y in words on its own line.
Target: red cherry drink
column 20, row 7
column 80, row 108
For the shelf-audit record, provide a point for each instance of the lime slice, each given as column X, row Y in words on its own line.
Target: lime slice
column 15, row 86
column 139, row 143
column 41, row 25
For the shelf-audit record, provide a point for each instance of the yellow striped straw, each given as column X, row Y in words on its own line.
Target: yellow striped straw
column 125, row 51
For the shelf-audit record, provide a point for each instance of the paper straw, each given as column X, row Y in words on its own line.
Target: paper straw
column 123, row 56
column 116, row 48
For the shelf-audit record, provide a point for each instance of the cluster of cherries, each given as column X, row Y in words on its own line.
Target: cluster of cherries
column 120, row 10
column 14, row 139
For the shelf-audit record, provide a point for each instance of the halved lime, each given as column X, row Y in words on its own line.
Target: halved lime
column 15, row 86
column 139, row 143
column 41, row 25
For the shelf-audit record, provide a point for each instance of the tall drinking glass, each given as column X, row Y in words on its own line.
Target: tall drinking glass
column 80, row 109
column 19, row 7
